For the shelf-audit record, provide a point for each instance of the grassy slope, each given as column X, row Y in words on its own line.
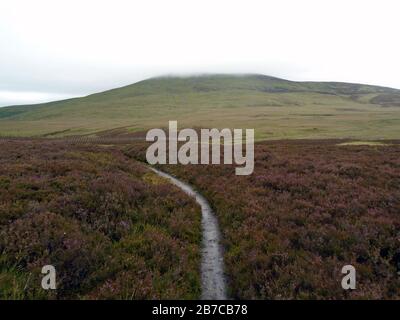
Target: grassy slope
column 276, row 108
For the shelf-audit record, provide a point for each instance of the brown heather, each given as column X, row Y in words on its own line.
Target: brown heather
column 309, row 208
column 110, row 229
column 114, row 230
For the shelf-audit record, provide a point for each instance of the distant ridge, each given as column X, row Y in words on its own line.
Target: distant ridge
column 194, row 99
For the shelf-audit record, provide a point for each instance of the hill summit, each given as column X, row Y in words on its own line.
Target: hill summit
column 219, row 100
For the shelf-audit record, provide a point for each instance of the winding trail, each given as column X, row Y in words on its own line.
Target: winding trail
column 213, row 281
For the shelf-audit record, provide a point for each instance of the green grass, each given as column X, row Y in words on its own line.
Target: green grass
column 275, row 108
column 364, row 143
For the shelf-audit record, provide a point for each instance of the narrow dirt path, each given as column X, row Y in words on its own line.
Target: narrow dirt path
column 213, row 280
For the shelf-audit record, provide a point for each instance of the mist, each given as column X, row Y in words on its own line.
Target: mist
column 53, row 50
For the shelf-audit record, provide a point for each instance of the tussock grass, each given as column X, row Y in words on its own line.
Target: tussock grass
column 275, row 108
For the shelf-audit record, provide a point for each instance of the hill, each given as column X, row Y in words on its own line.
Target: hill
column 276, row 108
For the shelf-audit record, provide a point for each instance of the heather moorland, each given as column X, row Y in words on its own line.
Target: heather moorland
column 309, row 208
column 111, row 228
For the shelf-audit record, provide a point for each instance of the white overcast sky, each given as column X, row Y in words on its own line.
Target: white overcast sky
column 55, row 49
